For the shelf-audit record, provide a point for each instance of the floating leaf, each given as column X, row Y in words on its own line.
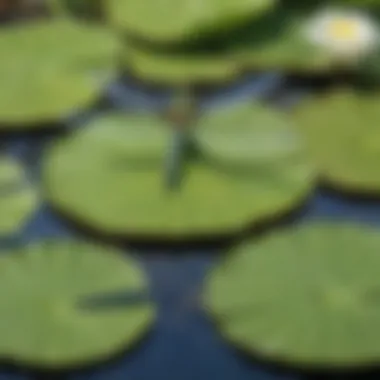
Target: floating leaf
column 247, row 135
column 18, row 198
column 89, row 9
column 51, row 69
column 309, row 296
column 358, row 3
column 342, row 131
column 137, row 140
column 44, row 321
column 85, row 182
column 173, row 21
column 180, row 69
column 278, row 41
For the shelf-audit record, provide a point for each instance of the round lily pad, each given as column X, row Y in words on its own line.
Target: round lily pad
column 18, row 197
column 307, row 295
column 278, row 41
column 180, row 69
column 55, row 304
column 94, row 183
column 88, row 9
column 51, row 69
column 247, row 135
column 342, row 133
column 174, row 21
column 137, row 140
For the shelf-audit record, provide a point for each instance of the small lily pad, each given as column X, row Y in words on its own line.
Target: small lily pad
column 305, row 296
column 46, row 319
column 278, row 41
column 247, row 135
column 180, row 69
column 92, row 181
column 88, row 9
column 137, row 140
column 342, row 132
column 18, row 197
column 51, row 69
column 174, row 21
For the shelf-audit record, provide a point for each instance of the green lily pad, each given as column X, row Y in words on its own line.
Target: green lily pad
column 18, row 198
column 93, row 182
column 342, row 133
column 248, row 135
column 174, row 21
column 46, row 320
column 140, row 139
column 88, row 9
column 277, row 41
column 180, row 69
column 51, row 69
column 358, row 3
column 303, row 296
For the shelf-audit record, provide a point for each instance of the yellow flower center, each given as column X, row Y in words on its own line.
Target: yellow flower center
column 343, row 29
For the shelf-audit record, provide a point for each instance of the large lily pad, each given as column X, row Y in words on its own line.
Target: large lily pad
column 173, row 21
column 94, row 182
column 306, row 296
column 342, row 132
column 49, row 317
column 180, row 68
column 51, row 69
column 18, row 198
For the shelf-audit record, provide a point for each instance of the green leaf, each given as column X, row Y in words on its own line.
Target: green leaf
column 358, row 3
column 83, row 182
column 247, row 135
column 341, row 130
column 173, row 21
column 179, row 69
column 139, row 140
column 43, row 323
column 277, row 41
column 307, row 295
column 51, row 69
column 18, row 198
column 89, row 9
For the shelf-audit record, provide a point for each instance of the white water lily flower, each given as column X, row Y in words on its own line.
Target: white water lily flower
column 345, row 34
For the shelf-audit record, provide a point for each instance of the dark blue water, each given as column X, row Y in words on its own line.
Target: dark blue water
column 183, row 345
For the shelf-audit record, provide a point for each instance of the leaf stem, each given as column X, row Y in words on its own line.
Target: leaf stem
column 175, row 159
column 180, row 114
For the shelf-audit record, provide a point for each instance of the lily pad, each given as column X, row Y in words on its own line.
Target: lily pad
column 51, row 69
column 180, row 69
column 248, row 135
column 174, row 21
column 18, row 198
column 46, row 319
column 277, row 41
column 88, row 9
column 342, row 133
column 140, row 139
column 305, row 296
column 92, row 181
